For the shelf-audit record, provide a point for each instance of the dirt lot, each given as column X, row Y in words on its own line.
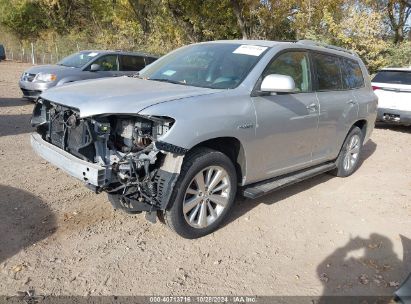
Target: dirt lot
column 324, row 236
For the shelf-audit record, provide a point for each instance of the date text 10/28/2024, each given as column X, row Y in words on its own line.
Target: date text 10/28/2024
column 203, row 299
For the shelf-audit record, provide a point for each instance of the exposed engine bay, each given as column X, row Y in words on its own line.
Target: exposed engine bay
column 140, row 170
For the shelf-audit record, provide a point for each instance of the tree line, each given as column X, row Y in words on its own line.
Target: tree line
column 378, row 30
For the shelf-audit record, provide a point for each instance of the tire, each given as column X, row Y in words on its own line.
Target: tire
column 348, row 159
column 201, row 214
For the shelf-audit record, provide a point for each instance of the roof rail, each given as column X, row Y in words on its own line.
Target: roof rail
column 328, row 46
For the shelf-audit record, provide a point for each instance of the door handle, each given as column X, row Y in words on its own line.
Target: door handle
column 352, row 102
column 312, row 107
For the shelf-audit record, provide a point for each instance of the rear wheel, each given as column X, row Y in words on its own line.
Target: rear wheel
column 203, row 195
column 349, row 158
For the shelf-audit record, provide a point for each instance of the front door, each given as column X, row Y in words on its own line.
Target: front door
column 286, row 123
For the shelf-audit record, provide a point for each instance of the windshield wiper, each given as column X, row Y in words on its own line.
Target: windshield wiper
column 136, row 75
column 65, row 65
column 168, row 80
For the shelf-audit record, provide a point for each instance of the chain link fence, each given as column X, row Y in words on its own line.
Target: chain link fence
column 36, row 56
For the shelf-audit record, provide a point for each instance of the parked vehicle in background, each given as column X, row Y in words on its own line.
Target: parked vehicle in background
column 2, row 53
column 81, row 66
column 207, row 119
column 393, row 88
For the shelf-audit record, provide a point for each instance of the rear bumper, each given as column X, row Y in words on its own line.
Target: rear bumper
column 90, row 173
column 393, row 116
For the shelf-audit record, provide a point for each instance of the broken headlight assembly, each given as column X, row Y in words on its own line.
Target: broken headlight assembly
column 133, row 134
column 134, row 158
column 131, row 144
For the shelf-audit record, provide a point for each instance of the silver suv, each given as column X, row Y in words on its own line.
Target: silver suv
column 81, row 66
column 206, row 121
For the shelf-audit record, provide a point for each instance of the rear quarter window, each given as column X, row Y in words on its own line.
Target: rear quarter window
column 393, row 77
column 150, row 60
column 328, row 72
column 352, row 74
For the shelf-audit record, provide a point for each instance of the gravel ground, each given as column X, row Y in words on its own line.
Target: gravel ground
column 324, row 236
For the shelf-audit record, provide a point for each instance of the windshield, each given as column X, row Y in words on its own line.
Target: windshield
column 77, row 60
column 393, row 77
column 211, row 65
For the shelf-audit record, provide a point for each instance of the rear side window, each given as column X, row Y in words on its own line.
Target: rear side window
column 352, row 74
column 328, row 72
column 131, row 63
column 393, row 77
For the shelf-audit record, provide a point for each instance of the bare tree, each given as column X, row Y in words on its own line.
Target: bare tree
column 142, row 11
column 398, row 14
column 407, row 2
column 237, row 9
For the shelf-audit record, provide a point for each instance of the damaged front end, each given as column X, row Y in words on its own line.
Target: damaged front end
column 119, row 154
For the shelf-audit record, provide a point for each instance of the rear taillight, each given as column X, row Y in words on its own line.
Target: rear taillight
column 375, row 88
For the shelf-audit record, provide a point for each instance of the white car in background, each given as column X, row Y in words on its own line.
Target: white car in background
column 393, row 88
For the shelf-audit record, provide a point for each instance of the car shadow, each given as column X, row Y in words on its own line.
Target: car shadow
column 14, row 102
column 243, row 205
column 396, row 128
column 363, row 268
column 24, row 221
column 15, row 124
column 368, row 150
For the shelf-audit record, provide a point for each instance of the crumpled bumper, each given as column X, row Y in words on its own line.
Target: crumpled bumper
column 90, row 173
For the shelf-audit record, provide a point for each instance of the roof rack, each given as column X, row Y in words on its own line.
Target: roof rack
column 316, row 43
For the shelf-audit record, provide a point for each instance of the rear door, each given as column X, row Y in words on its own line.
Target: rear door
column 338, row 107
column 130, row 64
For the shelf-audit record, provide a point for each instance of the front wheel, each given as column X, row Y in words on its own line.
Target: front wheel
column 203, row 194
column 349, row 158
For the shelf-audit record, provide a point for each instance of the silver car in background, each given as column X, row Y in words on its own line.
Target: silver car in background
column 81, row 66
column 207, row 120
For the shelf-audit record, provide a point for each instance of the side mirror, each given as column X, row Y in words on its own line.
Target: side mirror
column 94, row 67
column 278, row 83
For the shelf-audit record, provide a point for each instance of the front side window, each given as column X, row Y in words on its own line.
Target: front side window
column 328, row 72
column 352, row 74
column 293, row 64
column 107, row 63
column 131, row 63
column 208, row 65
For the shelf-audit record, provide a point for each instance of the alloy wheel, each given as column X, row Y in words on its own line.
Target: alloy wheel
column 206, row 196
column 352, row 152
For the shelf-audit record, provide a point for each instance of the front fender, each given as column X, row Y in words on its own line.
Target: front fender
column 202, row 118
